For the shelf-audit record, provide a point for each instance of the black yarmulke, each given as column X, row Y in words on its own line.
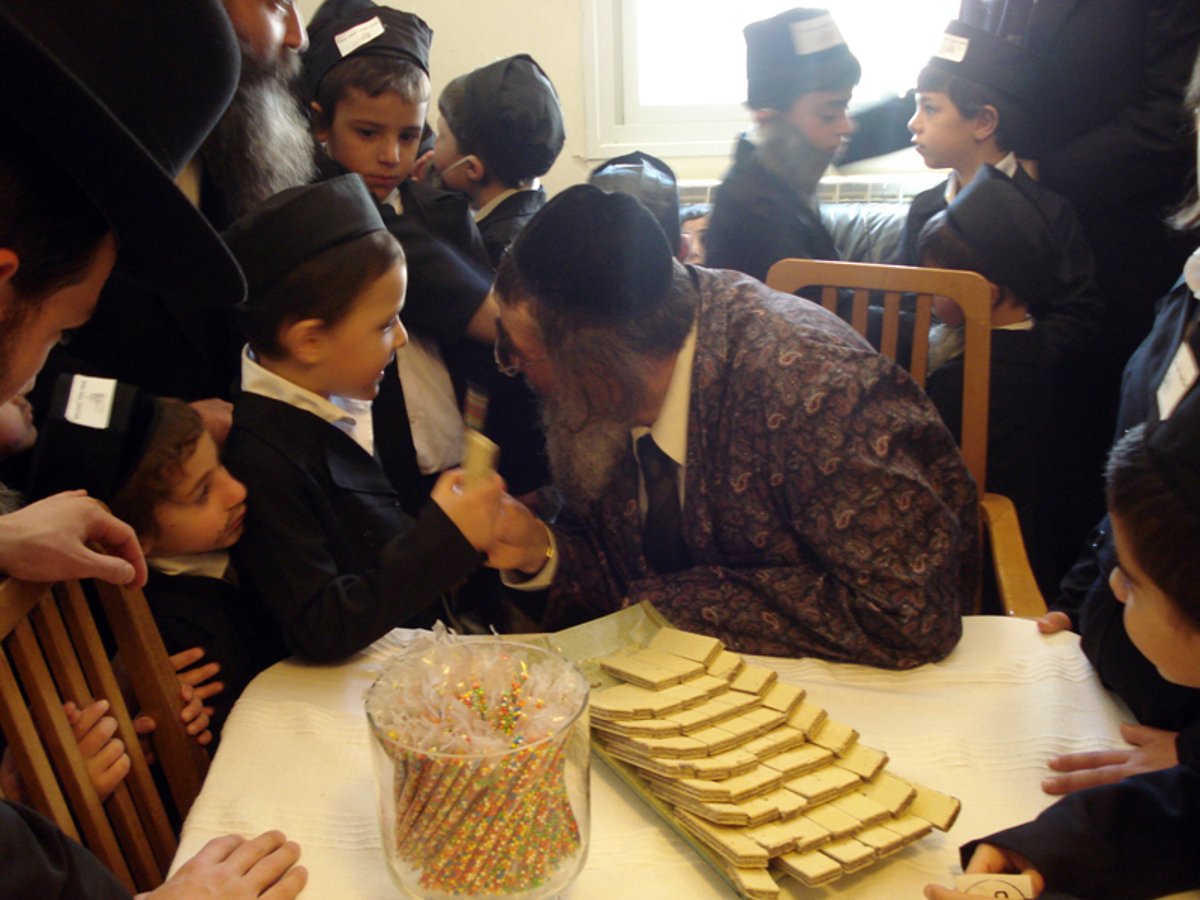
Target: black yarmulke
column 795, row 53
column 595, row 254
column 296, row 224
column 650, row 180
column 979, row 56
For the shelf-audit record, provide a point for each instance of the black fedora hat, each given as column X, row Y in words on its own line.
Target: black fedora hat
column 120, row 94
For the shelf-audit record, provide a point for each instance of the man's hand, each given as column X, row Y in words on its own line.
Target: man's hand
column 521, row 539
column 1153, row 749
column 103, row 752
column 47, row 541
column 233, row 868
column 217, row 416
column 1054, row 622
column 988, row 858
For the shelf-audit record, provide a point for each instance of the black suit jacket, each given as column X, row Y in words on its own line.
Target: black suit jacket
column 328, row 549
column 505, row 222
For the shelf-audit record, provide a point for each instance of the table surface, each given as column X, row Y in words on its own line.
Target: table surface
column 978, row 725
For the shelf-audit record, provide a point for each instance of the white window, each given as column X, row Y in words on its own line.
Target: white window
column 669, row 77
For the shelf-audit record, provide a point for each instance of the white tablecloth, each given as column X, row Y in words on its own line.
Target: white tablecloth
column 978, row 726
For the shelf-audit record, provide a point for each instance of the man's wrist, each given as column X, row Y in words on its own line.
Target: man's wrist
column 542, row 559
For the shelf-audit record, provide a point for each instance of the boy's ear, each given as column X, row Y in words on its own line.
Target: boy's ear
column 475, row 169
column 987, row 120
column 317, row 117
column 305, row 340
column 9, row 263
column 148, row 543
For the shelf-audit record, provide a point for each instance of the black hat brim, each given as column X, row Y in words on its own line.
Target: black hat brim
column 165, row 243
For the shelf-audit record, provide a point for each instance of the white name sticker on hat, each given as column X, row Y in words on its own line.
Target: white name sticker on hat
column 90, row 401
column 952, row 48
column 353, row 38
column 1178, row 381
column 816, row 34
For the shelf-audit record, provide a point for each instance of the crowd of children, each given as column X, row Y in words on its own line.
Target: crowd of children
column 337, row 510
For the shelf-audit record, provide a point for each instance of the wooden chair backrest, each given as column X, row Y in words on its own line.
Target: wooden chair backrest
column 53, row 652
column 968, row 289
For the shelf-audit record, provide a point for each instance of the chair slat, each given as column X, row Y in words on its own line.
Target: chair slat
column 891, row 325
column 858, row 320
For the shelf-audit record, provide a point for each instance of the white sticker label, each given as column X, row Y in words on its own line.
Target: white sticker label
column 1178, row 381
column 814, row 35
column 952, row 48
column 90, row 401
column 1006, row 885
column 353, row 38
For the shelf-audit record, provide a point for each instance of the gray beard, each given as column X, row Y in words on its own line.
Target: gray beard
column 583, row 459
column 262, row 144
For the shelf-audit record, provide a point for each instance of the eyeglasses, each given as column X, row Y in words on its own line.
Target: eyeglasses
column 507, row 357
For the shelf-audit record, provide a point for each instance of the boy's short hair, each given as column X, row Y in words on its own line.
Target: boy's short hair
column 795, row 53
column 373, row 75
column 975, row 68
column 992, row 228
column 1153, row 487
column 507, row 114
column 172, row 441
column 55, row 249
column 307, row 253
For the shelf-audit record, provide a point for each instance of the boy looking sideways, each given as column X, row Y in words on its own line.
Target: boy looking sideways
column 329, row 551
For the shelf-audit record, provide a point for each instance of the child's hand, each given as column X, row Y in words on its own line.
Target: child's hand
column 473, row 509
column 988, row 858
column 1153, row 749
column 194, row 716
column 104, row 754
column 196, row 677
column 1053, row 622
column 521, row 539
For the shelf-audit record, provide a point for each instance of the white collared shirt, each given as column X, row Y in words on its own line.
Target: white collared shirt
column 348, row 415
column 670, row 428
column 1008, row 166
column 433, row 416
column 209, row 565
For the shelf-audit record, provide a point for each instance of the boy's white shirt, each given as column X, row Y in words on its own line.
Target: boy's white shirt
column 437, row 425
column 670, row 433
column 1008, row 166
column 488, row 208
column 350, row 416
column 214, row 564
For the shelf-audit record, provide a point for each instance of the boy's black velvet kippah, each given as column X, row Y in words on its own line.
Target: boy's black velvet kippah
column 982, row 57
column 1174, row 448
column 363, row 29
column 650, row 180
column 595, row 254
column 512, row 110
column 297, row 224
column 95, row 433
column 996, row 220
column 795, row 53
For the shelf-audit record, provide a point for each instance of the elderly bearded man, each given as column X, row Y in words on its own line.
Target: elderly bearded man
column 813, row 504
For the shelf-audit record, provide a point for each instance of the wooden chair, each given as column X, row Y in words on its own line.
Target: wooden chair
column 1019, row 593
column 53, row 652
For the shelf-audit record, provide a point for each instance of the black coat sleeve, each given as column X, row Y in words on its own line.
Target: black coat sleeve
column 1137, row 838
column 39, row 862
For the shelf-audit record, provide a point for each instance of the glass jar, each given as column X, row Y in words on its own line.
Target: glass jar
column 502, row 813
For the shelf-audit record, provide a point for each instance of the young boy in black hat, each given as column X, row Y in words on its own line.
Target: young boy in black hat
column 500, row 129
column 800, row 75
column 992, row 228
column 365, row 77
column 653, row 182
column 1137, row 837
column 156, row 467
column 329, row 550
column 972, row 110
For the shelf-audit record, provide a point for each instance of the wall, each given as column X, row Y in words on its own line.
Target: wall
column 472, row 33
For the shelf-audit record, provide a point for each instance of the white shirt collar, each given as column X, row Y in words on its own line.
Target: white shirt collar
column 348, row 415
column 209, row 565
column 670, row 428
column 488, row 208
column 1008, row 166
